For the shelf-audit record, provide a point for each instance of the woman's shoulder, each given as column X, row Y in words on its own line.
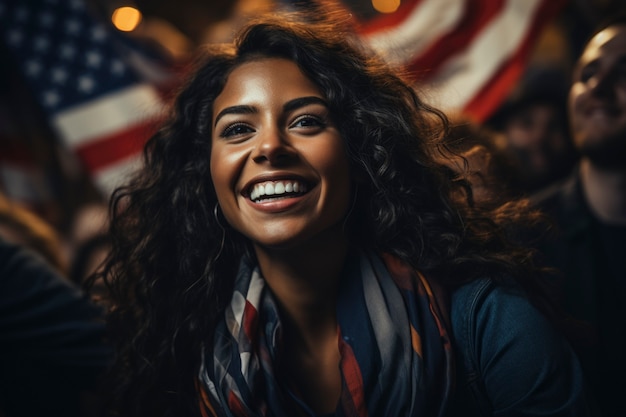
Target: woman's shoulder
column 473, row 298
column 510, row 356
column 490, row 313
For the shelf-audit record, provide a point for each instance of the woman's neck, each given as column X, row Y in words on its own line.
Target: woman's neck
column 604, row 191
column 305, row 279
column 305, row 283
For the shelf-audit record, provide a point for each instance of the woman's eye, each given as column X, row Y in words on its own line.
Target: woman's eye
column 236, row 130
column 308, row 121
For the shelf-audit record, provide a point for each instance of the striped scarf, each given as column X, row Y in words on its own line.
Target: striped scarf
column 396, row 358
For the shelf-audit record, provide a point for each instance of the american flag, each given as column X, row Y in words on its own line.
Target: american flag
column 97, row 104
column 466, row 54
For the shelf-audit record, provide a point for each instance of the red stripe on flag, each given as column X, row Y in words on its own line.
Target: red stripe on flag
column 491, row 95
column 474, row 19
column 495, row 91
column 108, row 150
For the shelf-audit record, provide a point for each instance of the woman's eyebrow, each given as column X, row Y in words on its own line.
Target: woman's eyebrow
column 303, row 101
column 289, row 106
column 242, row 109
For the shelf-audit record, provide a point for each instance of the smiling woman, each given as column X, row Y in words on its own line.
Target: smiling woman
column 273, row 133
column 297, row 245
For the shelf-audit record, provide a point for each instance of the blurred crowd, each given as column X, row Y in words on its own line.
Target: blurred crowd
column 549, row 141
column 530, row 129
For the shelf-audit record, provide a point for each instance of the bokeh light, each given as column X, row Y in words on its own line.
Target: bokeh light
column 386, row 6
column 126, row 18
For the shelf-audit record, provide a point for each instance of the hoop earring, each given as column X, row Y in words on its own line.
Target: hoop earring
column 217, row 220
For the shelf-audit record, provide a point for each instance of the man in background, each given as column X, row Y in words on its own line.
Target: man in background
column 589, row 210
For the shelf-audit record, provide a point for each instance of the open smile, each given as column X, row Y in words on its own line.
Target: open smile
column 277, row 189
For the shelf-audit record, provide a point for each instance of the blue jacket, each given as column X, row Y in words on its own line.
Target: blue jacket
column 510, row 361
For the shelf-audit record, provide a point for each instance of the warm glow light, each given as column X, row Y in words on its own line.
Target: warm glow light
column 386, row 6
column 126, row 18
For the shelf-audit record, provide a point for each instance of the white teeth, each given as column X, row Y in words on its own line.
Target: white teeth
column 276, row 188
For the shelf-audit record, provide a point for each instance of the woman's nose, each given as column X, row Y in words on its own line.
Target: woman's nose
column 272, row 147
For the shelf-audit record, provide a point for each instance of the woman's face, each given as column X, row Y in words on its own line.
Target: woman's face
column 278, row 163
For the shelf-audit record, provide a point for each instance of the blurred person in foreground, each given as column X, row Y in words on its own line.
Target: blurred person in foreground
column 23, row 227
column 295, row 246
column 588, row 245
column 52, row 347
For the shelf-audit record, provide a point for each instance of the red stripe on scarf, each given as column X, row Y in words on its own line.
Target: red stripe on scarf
column 235, row 405
column 250, row 322
column 353, row 378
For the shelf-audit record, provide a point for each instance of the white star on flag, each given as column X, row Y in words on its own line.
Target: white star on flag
column 99, row 107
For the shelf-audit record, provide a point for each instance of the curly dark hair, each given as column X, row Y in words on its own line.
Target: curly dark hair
column 173, row 262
